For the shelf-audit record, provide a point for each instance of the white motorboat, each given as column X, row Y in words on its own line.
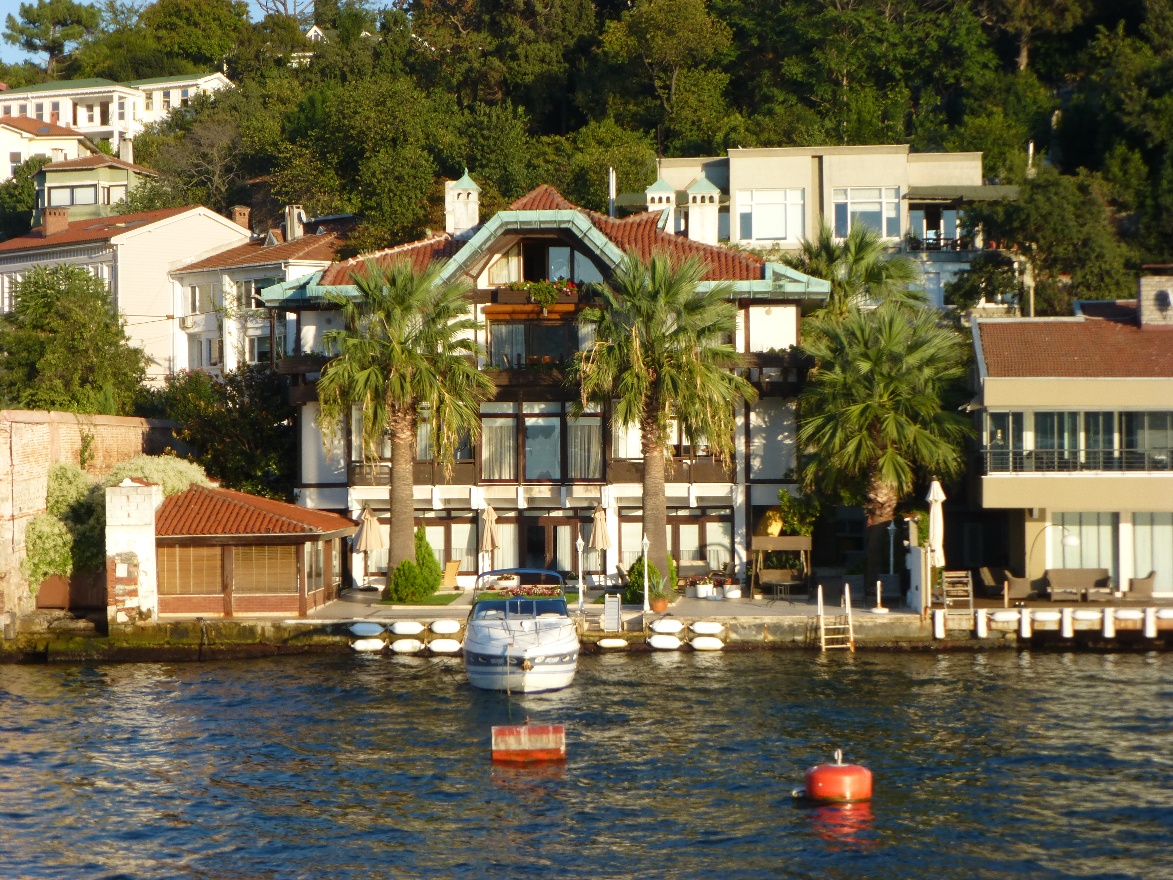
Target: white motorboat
column 520, row 637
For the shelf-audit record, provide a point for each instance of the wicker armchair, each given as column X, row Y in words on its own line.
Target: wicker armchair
column 1142, row 588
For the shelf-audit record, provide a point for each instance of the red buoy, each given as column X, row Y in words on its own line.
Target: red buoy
column 838, row 782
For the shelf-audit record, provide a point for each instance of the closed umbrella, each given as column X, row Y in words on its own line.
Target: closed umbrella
column 488, row 533
column 600, row 540
column 936, row 525
column 369, row 538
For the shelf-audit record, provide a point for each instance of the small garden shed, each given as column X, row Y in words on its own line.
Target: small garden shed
column 224, row 553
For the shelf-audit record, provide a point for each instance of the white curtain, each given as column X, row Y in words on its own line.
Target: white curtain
column 507, row 346
column 630, row 537
column 435, row 535
column 1097, row 547
column 718, row 544
column 584, row 448
column 1152, row 545
column 689, row 537
column 505, row 556
column 564, row 549
column 464, row 546
column 499, row 449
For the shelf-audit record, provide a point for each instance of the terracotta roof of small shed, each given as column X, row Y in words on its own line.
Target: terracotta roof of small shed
column 419, row 253
column 316, row 248
column 203, row 510
column 95, row 229
column 1074, row 348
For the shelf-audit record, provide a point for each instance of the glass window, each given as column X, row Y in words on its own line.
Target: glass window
column 875, row 207
column 24, row 110
column 1152, row 547
column 166, row 101
column 1056, row 441
column 543, row 448
column 506, row 346
column 506, row 554
column 626, row 442
column 498, row 449
column 149, row 104
column 584, row 448
column 195, row 353
column 54, row 110
column 718, row 544
column 560, row 263
column 585, row 271
column 39, row 110
column 121, row 109
column 60, row 196
column 464, row 546
column 1096, row 547
column 7, row 109
column 14, row 160
column 259, row 349
column 770, row 214
column 85, row 195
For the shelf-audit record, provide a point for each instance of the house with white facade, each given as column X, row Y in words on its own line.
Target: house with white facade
column 541, row 469
column 22, row 138
column 221, row 312
column 1076, row 436
column 774, row 198
column 105, row 110
column 134, row 254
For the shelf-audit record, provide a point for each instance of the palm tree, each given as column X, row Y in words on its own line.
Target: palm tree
column 407, row 346
column 870, row 415
column 663, row 351
column 859, row 268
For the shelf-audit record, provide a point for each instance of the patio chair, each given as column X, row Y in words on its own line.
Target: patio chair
column 1016, row 589
column 450, row 569
column 1142, row 588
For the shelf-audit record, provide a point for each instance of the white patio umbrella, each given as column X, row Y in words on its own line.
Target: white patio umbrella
column 488, row 534
column 368, row 539
column 600, row 540
column 936, row 525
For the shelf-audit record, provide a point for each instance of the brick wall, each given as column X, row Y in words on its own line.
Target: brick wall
column 30, row 443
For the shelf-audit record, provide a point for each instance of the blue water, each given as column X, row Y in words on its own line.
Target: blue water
column 991, row 765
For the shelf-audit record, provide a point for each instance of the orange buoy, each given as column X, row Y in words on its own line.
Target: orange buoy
column 838, row 782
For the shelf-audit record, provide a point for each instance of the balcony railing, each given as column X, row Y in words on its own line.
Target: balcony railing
column 1006, row 461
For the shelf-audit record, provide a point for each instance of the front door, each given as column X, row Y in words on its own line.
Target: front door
column 548, row 542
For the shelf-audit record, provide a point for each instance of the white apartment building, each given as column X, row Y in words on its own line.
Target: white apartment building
column 133, row 254
column 774, row 198
column 22, row 138
column 105, row 110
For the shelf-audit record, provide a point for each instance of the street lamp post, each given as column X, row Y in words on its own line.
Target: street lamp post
column 1068, row 540
column 644, row 543
column 579, row 544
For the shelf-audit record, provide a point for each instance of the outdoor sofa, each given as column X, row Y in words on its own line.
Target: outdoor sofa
column 1073, row 584
column 1142, row 588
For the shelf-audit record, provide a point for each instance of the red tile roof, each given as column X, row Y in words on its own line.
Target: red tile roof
column 1075, row 348
column 98, row 160
column 641, row 233
column 39, row 128
column 96, row 229
column 202, row 510
column 319, row 248
column 419, row 253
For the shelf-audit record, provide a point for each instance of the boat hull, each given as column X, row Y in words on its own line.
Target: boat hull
column 522, row 657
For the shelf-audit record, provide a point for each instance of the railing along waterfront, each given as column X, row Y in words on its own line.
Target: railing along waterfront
column 1007, row 461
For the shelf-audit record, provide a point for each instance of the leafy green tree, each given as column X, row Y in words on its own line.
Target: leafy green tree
column 1024, row 20
column 991, row 276
column 662, row 352
column 18, row 198
column 429, row 567
column 202, row 31
column 871, row 420
column 50, row 26
column 859, row 267
column 151, row 194
column 407, row 345
column 63, row 347
column 239, row 428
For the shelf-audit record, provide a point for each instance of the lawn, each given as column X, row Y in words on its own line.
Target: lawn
column 434, row 599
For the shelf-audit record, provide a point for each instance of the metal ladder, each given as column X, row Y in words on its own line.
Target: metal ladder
column 839, row 632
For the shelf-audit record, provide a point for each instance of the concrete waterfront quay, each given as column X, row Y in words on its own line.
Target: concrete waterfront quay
column 748, row 624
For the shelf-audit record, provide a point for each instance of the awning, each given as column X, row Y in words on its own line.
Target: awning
column 961, row 194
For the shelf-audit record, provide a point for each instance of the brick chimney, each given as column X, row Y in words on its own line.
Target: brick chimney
column 241, row 215
column 294, row 222
column 1155, row 296
column 53, row 221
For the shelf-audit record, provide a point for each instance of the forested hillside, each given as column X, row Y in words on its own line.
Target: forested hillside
column 530, row 91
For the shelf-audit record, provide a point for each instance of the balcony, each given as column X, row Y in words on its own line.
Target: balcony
column 1045, row 461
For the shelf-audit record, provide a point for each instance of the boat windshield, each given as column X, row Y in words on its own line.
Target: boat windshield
column 488, row 609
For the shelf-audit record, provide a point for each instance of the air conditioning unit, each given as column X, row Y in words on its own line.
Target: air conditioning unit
column 188, row 322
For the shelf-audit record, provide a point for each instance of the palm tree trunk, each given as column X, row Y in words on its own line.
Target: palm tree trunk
column 402, row 544
column 880, row 507
column 655, row 508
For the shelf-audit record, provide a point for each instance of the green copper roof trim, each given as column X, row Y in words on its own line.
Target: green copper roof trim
column 660, row 186
column 529, row 221
column 61, row 85
column 703, row 185
column 466, row 183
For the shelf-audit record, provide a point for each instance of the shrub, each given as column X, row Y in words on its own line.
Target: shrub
column 69, row 486
column 426, row 560
column 173, row 474
column 407, row 583
column 49, row 548
column 633, row 594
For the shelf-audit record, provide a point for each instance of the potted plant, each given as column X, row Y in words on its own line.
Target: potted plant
column 658, row 599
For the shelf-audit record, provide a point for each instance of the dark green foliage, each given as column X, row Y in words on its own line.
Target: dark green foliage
column 64, row 348
column 633, row 592
column 18, row 198
column 240, row 428
column 430, row 572
column 991, row 275
column 407, row 583
column 50, row 26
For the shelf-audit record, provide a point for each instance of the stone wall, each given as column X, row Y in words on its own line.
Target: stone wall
column 30, row 443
